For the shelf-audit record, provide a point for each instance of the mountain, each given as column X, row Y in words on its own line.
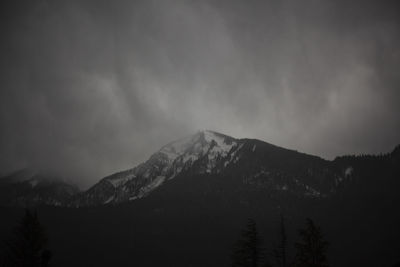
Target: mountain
column 272, row 169
column 187, row 205
column 29, row 188
column 239, row 166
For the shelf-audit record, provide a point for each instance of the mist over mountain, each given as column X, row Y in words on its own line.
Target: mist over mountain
column 240, row 163
column 27, row 188
column 91, row 88
column 245, row 162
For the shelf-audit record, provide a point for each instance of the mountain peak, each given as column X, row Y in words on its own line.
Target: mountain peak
column 203, row 152
column 197, row 143
column 207, row 153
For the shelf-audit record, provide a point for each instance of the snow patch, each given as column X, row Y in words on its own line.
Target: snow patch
column 179, row 147
column 116, row 182
column 311, row 191
column 189, row 157
column 109, row 200
column 33, row 182
column 348, row 172
column 236, row 150
column 222, row 147
column 159, row 180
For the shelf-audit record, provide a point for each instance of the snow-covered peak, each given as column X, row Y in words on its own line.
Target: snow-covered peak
column 205, row 150
column 223, row 143
column 179, row 147
column 199, row 144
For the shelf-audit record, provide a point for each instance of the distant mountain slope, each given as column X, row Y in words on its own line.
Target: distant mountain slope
column 28, row 188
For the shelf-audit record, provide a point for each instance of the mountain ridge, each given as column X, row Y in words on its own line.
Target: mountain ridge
column 205, row 152
column 250, row 162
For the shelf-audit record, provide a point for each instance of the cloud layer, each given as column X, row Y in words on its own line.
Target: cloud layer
column 93, row 87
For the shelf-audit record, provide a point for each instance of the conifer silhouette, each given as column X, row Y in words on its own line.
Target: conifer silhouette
column 280, row 252
column 28, row 247
column 311, row 250
column 248, row 251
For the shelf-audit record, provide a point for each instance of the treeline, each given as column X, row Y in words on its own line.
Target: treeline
column 311, row 249
column 28, row 247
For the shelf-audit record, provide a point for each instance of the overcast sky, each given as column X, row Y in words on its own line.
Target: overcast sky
column 93, row 87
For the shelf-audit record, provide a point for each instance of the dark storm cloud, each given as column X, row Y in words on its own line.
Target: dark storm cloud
column 92, row 87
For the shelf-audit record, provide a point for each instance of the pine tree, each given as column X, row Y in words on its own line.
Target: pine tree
column 280, row 252
column 311, row 251
column 247, row 252
column 28, row 248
